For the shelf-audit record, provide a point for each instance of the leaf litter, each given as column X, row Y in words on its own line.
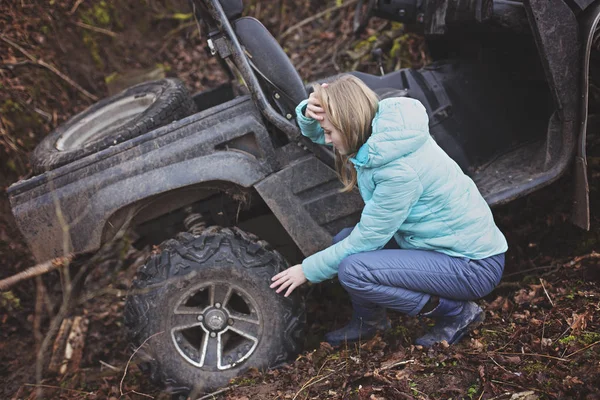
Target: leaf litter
column 540, row 338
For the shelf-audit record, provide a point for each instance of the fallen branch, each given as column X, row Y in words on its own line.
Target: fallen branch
column 50, row 67
column 36, row 270
column 316, row 16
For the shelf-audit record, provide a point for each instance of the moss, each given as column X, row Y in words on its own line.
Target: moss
column 101, row 13
column 588, row 338
column 567, row 340
column 532, row 368
column 244, row 381
column 9, row 301
column 401, row 331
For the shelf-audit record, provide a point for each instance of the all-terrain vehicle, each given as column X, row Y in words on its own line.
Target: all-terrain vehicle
column 235, row 192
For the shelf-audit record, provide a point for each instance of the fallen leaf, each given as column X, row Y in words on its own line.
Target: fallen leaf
column 571, row 381
column 513, row 359
column 496, row 304
column 477, row 345
column 579, row 321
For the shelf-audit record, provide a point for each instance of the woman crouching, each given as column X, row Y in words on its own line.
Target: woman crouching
column 426, row 243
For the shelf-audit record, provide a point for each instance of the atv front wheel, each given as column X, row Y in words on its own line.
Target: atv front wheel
column 206, row 304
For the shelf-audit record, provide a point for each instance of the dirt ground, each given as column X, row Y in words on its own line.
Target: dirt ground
column 542, row 332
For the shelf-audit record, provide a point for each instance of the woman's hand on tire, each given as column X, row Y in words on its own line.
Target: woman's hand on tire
column 291, row 278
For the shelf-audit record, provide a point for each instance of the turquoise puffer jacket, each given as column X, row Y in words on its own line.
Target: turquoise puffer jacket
column 413, row 191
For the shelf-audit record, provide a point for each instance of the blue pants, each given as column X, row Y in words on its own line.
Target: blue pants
column 404, row 280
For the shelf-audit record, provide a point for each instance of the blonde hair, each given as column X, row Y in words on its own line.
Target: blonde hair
column 350, row 106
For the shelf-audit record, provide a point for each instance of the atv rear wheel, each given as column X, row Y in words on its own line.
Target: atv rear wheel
column 133, row 112
column 206, row 304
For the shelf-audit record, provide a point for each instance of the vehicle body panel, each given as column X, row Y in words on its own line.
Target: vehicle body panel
column 66, row 210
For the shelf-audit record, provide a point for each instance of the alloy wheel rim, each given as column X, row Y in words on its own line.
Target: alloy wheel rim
column 104, row 122
column 216, row 326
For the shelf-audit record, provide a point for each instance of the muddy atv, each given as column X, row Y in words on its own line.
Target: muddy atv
column 235, row 193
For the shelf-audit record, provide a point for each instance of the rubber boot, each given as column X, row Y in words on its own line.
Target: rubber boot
column 453, row 319
column 365, row 323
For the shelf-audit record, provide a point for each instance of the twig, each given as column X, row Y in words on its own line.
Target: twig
column 570, row 263
column 12, row 66
column 77, row 3
column 58, row 387
column 574, row 261
column 37, row 318
column 213, row 394
column 107, row 365
column 316, row 16
column 510, row 372
column 585, row 348
column 309, row 383
column 34, row 271
column 545, row 291
column 519, row 386
column 50, row 67
column 395, row 365
column 529, row 354
column 141, row 394
column 129, row 361
column 531, row 270
column 95, row 29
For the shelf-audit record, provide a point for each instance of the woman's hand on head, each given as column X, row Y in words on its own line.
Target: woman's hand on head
column 291, row 278
column 313, row 108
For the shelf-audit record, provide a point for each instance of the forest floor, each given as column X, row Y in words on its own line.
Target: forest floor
column 542, row 333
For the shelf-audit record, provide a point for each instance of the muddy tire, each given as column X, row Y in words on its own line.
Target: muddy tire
column 205, row 303
column 133, row 112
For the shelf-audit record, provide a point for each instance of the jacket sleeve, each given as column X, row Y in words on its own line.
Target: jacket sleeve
column 309, row 127
column 397, row 188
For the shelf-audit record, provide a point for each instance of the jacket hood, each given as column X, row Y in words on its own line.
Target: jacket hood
column 400, row 127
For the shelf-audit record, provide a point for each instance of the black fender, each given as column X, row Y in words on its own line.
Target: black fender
column 78, row 207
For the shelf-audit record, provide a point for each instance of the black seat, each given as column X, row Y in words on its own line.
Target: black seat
column 273, row 66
